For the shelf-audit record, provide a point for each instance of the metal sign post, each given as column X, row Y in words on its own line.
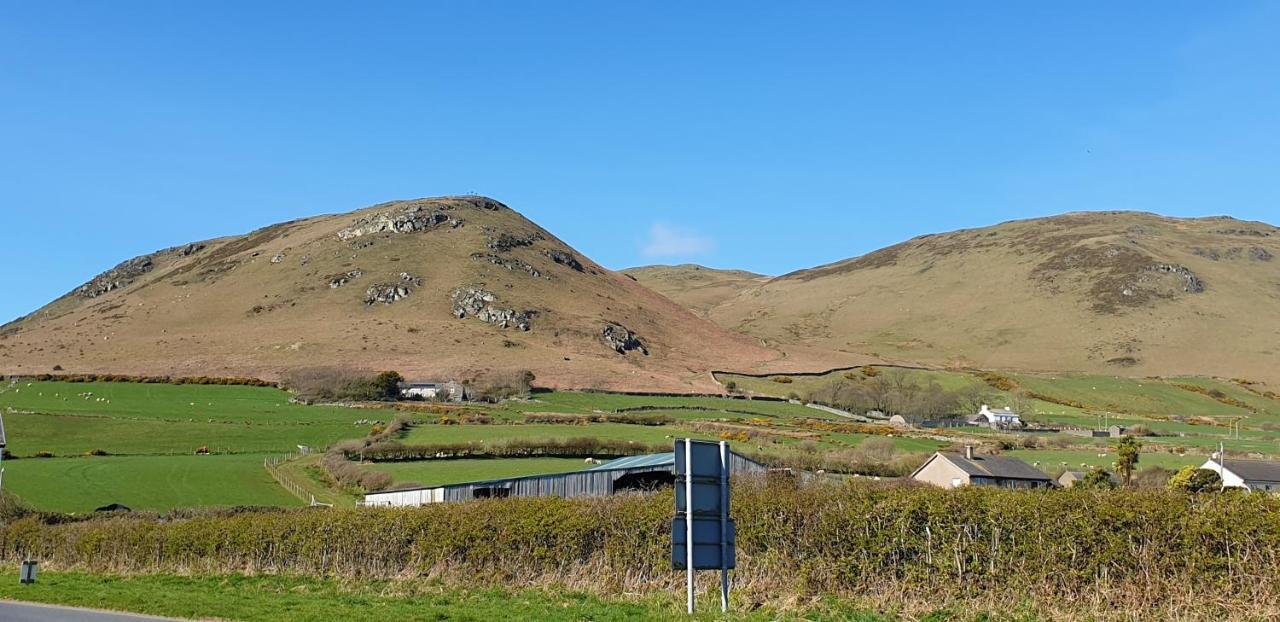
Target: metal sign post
column 688, row 522
column 702, row 534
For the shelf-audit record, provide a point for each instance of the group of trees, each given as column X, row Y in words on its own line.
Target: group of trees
column 324, row 384
column 895, row 392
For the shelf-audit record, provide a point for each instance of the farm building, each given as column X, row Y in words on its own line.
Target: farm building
column 1257, row 475
column 953, row 470
column 624, row 474
column 452, row 391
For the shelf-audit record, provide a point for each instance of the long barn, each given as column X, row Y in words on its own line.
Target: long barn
column 645, row 472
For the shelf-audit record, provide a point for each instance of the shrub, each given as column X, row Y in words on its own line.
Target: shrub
column 333, row 384
column 1194, row 479
column 869, row 371
column 96, row 452
column 499, row 385
column 731, row 386
column 1140, row 430
column 1096, row 479
column 42, row 454
column 998, row 381
column 782, row 379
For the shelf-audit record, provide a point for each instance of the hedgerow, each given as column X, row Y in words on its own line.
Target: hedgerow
column 215, row 380
column 578, row 447
column 1061, row 554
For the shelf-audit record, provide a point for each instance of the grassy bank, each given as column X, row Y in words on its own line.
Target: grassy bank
column 1058, row 554
column 301, row 599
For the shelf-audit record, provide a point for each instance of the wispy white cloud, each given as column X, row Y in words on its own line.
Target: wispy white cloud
column 669, row 241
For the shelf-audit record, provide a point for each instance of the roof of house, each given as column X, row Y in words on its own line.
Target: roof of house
column 994, row 466
column 1254, row 470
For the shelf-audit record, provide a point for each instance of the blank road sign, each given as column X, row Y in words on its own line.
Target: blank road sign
column 706, row 544
column 706, row 459
column 706, row 498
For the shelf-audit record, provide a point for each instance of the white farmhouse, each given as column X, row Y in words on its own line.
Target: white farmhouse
column 1002, row 418
column 1258, row 475
column 451, row 391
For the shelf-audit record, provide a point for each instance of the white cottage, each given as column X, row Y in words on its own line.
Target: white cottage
column 1257, row 475
column 1001, row 418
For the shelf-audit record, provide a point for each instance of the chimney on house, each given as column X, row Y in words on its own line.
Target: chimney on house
column 968, row 452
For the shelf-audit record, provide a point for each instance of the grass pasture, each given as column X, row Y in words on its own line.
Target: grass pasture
column 157, row 483
column 439, row 472
column 134, row 418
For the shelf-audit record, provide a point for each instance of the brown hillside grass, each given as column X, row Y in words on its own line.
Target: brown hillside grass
column 1037, row 295
column 264, row 303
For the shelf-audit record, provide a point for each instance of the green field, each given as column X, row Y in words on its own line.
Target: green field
column 157, row 483
column 151, row 432
column 1049, row 460
column 438, row 472
column 133, row 418
column 584, row 403
column 424, row 434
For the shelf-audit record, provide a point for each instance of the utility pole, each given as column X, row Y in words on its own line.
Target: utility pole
column 1222, row 466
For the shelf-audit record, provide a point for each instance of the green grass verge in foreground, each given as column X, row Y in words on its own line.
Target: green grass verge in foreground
column 158, row 483
column 273, row 598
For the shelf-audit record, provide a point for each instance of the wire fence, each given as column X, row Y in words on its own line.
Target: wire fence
column 272, row 465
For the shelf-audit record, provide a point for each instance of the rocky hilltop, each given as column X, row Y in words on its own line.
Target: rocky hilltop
column 439, row 287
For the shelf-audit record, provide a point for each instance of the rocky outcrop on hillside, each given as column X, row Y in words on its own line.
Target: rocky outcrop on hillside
column 338, row 280
column 564, row 258
column 508, row 263
column 385, row 293
column 1193, row 284
column 190, row 249
column 621, row 340
column 410, row 279
column 407, row 219
column 504, row 241
column 1253, row 253
column 117, row 277
column 479, row 303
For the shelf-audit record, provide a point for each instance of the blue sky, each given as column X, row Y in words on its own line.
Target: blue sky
column 769, row 136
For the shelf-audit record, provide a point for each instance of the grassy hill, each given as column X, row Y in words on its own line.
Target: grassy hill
column 694, row 287
column 1113, row 293
column 380, row 288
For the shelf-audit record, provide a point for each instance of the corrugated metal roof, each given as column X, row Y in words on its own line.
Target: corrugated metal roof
column 636, row 462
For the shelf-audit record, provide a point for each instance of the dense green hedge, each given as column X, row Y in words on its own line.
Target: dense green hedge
column 1065, row 554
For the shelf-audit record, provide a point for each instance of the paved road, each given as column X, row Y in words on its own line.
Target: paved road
column 11, row 611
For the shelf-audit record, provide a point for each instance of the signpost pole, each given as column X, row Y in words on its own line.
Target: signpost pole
column 688, row 518
column 724, row 526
